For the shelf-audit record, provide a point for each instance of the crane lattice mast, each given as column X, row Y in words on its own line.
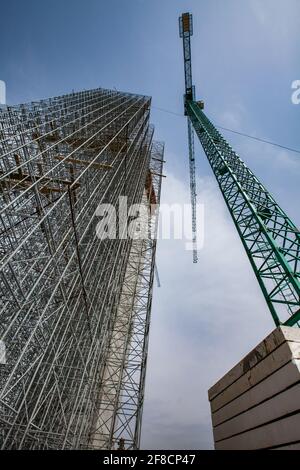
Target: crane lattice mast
column 271, row 240
column 186, row 25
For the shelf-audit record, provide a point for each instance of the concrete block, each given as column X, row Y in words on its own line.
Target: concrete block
column 257, row 404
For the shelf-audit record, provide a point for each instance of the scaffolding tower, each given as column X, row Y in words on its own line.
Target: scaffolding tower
column 75, row 307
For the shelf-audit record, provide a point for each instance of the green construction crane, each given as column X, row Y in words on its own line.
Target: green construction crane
column 271, row 240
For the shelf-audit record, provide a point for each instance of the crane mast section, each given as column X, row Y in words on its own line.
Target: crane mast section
column 270, row 238
column 185, row 32
column 193, row 189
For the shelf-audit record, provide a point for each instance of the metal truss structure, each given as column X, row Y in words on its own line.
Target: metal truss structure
column 271, row 240
column 65, row 291
column 193, row 190
column 117, row 422
column 185, row 32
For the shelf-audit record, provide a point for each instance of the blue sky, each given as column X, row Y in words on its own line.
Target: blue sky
column 245, row 57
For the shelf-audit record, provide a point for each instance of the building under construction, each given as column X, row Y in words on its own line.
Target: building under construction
column 75, row 306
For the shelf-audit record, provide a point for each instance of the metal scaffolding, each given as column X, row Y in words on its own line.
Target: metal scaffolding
column 75, row 309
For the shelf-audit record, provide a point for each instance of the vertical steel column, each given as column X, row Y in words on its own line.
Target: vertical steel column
column 185, row 32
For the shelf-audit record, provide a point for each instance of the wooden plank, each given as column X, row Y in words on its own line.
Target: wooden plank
column 158, row 174
column 26, row 181
column 275, row 383
column 98, row 166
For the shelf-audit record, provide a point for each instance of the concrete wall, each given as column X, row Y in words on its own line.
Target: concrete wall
column 257, row 404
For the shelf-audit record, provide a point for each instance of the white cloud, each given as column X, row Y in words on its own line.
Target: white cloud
column 205, row 317
column 279, row 20
column 234, row 117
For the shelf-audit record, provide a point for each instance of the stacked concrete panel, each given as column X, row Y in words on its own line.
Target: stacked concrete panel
column 257, row 404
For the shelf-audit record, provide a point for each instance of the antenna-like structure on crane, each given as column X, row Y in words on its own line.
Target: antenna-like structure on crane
column 271, row 240
column 186, row 31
